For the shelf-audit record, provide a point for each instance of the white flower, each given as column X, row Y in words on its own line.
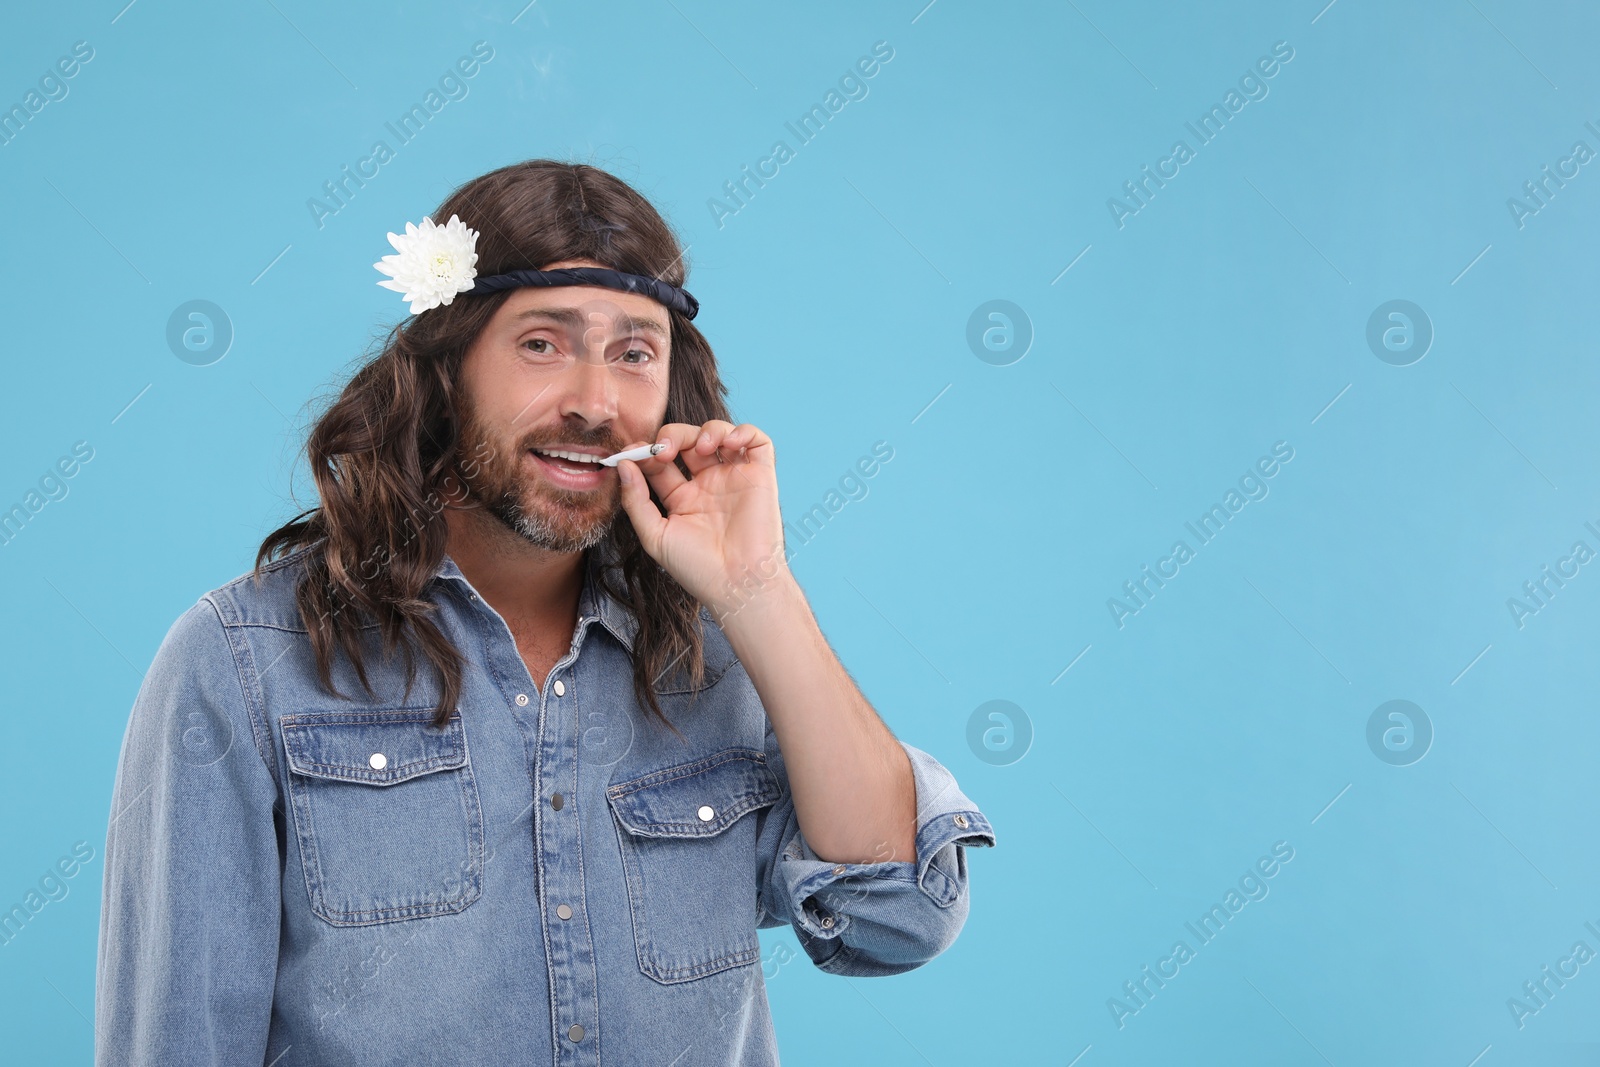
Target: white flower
column 433, row 263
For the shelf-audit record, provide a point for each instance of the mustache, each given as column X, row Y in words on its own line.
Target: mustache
column 545, row 439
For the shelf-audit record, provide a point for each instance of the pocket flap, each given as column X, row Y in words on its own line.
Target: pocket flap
column 697, row 799
column 377, row 748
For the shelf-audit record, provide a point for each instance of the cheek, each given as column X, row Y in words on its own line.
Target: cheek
column 643, row 403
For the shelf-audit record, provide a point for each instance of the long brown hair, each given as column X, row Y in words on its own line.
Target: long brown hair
column 386, row 453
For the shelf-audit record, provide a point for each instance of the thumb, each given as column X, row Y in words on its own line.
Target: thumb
column 648, row 522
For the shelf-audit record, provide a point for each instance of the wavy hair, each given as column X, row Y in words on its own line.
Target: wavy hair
column 386, row 453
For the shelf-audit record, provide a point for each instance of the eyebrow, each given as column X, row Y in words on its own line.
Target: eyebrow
column 572, row 317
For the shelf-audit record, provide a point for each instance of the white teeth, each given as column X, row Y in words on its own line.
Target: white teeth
column 576, row 457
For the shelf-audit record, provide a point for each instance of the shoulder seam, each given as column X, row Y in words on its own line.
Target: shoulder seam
column 269, row 567
column 244, row 692
column 234, row 618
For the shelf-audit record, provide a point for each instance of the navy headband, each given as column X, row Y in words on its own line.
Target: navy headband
column 673, row 297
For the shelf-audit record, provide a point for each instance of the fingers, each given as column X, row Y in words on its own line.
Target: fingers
column 663, row 474
column 648, row 522
column 741, row 439
column 701, row 448
column 718, row 441
column 678, row 436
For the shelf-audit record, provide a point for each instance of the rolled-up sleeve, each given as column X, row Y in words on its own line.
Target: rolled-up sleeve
column 189, row 919
column 871, row 919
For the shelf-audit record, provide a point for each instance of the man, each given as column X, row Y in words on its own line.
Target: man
column 635, row 749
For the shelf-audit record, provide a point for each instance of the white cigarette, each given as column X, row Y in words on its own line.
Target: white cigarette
column 642, row 452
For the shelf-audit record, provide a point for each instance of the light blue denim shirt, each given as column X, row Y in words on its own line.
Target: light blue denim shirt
column 552, row 878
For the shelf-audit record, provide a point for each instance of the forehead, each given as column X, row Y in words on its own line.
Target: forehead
column 585, row 307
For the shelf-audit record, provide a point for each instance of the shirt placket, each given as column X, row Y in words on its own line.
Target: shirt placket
column 569, row 948
column 574, row 996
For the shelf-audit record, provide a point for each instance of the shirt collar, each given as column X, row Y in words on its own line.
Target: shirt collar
column 593, row 603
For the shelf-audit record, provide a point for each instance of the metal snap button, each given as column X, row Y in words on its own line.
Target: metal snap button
column 706, row 813
column 838, row 869
column 564, row 911
column 522, row 700
column 378, row 761
column 561, row 690
column 961, row 821
column 827, row 923
column 556, row 800
column 575, row 1032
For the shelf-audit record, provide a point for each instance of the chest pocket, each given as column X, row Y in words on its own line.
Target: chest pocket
column 387, row 814
column 689, row 854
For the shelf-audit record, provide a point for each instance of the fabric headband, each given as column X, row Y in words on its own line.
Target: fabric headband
column 433, row 263
column 679, row 300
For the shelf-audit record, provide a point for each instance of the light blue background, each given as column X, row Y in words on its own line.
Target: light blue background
column 1228, row 314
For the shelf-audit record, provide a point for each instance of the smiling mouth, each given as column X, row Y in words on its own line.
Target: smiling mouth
column 570, row 461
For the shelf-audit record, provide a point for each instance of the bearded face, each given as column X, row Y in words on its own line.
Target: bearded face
column 518, row 487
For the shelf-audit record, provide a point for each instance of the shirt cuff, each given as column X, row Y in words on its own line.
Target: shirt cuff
column 823, row 896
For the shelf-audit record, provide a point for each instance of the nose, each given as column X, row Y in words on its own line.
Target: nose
column 589, row 390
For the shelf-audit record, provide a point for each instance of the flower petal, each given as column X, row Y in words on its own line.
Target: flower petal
column 432, row 263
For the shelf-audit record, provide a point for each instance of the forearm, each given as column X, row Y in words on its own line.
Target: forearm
column 854, row 794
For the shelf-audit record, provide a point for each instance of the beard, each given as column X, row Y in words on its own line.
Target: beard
column 501, row 479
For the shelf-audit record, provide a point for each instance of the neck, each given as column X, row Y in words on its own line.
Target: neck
column 532, row 588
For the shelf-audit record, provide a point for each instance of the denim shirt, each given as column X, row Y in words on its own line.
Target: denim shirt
column 552, row 878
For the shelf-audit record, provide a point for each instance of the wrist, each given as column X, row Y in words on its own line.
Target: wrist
column 758, row 592
column 768, row 623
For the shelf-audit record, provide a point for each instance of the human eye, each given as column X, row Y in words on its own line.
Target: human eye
column 547, row 350
column 645, row 357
